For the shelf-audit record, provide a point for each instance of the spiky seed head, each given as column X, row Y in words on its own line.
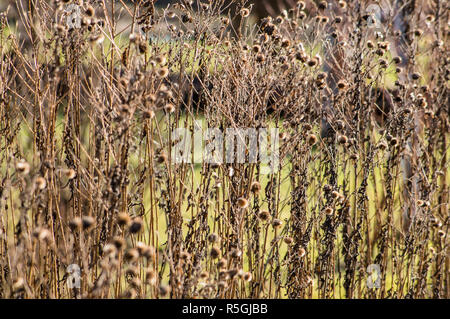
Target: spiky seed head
column 22, row 167
column 88, row 222
column 136, row 225
column 242, row 202
column 342, row 139
column 312, row 139
column 255, row 187
column 301, row 252
column 123, row 219
column 264, row 215
column 40, row 183
column 276, row 223
column 215, row 252
column 213, row 238
column 75, row 224
column 118, row 242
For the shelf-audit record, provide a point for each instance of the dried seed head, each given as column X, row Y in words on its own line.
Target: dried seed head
column 70, row 173
column 90, row 11
column 169, row 108
column 119, row 242
column 18, row 284
column 370, row 44
column 276, row 223
column 342, row 139
column 397, row 60
column 382, row 145
column 342, row 4
column 264, row 215
column 222, row 285
column 245, row 12
column 301, row 252
column 213, row 238
column 22, row 167
column 322, row 5
column 312, row 139
column 161, row 158
column 235, row 253
column 164, row 290
column 247, row 277
column 222, row 263
column 335, row 194
column 40, row 183
column 416, row 76
column 204, row 275
column 161, row 60
column 242, row 202
column 131, row 255
column 255, row 187
column 307, row 127
column 123, row 219
column 329, row 211
column 136, row 225
column 312, row 62
column 260, row 58
column 288, row 240
column 88, row 222
column 109, row 249
column 96, row 39
column 75, row 224
column 393, row 141
column 215, row 252
column 163, row 72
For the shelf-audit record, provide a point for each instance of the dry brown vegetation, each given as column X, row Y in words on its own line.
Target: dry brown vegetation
column 86, row 116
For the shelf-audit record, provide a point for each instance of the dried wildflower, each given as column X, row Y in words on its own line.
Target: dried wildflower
column 161, row 60
column 276, row 223
column 342, row 4
column 213, row 238
column 118, row 242
column 123, row 219
column 96, row 39
column 311, row 139
column 131, row 255
column 235, row 253
column 370, row 44
column 329, row 211
column 70, row 173
column 169, row 108
column 312, row 62
column 301, row 252
column 88, row 222
column 40, row 182
column 416, row 76
column 222, row 263
column 322, row 5
column 247, row 277
column 264, row 215
column 245, row 12
column 136, row 225
column 255, row 187
column 288, row 240
column 23, row 167
column 260, row 58
column 90, row 11
column 75, row 224
column 163, row 72
column 164, row 290
column 397, row 60
column 215, row 252
column 242, row 202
